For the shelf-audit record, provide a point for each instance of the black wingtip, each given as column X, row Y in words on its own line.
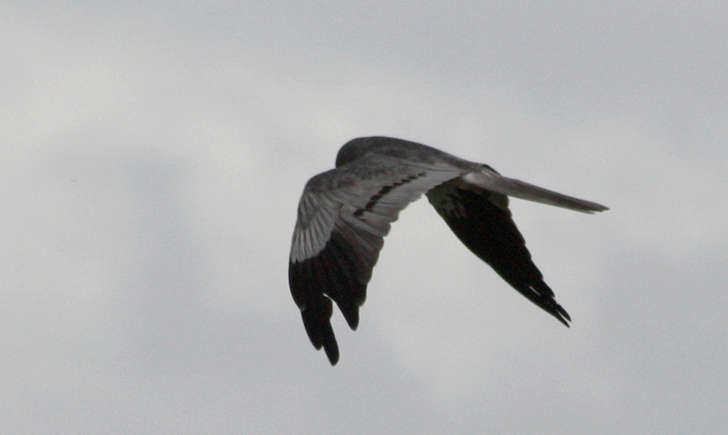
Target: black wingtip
column 329, row 343
column 321, row 334
column 351, row 314
column 542, row 295
column 317, row 322
column 332, row 352
column 562, row 320
column 560, row 313
column 316, row 309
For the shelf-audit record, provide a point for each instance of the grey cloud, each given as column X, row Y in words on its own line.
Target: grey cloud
column 153, row 156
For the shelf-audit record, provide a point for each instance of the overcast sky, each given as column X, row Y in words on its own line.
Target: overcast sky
column 152, row 155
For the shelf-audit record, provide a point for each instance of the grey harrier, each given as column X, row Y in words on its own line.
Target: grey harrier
column 344, row 214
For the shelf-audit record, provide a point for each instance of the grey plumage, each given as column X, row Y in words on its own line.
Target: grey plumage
column 344, row 214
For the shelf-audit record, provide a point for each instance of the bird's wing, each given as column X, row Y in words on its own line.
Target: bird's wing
column 482, row 221
column 343, row 216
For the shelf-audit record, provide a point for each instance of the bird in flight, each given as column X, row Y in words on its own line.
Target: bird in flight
column 344, row 214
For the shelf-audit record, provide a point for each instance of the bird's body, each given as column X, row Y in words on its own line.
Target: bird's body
column 344, row 214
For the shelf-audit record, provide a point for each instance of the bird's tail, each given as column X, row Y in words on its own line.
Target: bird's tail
column 491, row 180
